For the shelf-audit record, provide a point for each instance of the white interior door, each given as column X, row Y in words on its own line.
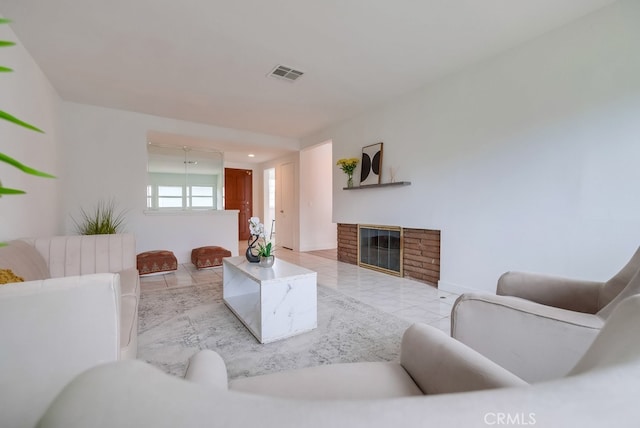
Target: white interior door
column 269, row 198
column 285, row 208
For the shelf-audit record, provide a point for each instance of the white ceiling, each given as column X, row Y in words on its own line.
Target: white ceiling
column 234, row 151
column 207, row 60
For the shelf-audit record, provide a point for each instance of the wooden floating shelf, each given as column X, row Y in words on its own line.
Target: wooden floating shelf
column 370, row 186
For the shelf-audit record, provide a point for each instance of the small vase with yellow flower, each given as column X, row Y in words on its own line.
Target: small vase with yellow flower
column 348, row 166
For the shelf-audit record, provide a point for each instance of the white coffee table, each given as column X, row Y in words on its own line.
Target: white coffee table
column 273, row 303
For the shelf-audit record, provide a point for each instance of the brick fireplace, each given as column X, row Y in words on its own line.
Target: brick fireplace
column 420, row 251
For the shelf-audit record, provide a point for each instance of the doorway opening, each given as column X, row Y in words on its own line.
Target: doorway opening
column 269, row 198
column 316, row 198
column 286, row 204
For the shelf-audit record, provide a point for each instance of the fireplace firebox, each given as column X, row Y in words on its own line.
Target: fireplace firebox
column 380, row 248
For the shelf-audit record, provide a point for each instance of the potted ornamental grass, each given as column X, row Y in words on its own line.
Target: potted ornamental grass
column 103, row 220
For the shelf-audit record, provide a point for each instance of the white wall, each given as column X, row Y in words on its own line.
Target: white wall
column 317, row 230
column 527, row 161
column 105, row 156
column 181, row 233
column 28, row 95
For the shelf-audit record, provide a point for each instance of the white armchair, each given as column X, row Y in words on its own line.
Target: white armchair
column 430, row 363
column 607, row 377
column 538, row 326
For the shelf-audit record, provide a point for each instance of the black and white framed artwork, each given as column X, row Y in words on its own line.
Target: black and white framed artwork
column 371, row 165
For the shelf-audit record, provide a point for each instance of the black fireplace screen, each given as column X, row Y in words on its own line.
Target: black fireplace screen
column 380, row 248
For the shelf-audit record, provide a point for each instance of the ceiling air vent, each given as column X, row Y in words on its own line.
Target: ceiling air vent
column 286, row 73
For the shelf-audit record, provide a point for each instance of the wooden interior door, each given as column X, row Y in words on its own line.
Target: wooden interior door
column 238, row 195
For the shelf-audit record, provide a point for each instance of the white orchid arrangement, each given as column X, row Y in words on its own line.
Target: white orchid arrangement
column 257, row 229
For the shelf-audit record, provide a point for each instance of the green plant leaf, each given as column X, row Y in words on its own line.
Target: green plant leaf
column 6, row 159
column 6, row 116
column 7, row 191
column 103, row 220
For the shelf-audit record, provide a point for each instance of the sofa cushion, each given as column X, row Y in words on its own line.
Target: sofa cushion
column 334, row 381
column 86, row 254
column 24, row 260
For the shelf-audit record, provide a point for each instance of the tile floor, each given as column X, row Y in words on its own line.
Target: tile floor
column 405, row 298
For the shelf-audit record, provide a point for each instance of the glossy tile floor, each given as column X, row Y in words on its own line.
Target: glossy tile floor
column 411, row 300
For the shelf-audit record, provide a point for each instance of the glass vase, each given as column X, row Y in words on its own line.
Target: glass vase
column 350, row 181
column 267, row 262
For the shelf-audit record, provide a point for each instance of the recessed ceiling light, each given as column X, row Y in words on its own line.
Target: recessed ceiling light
column 251, row 155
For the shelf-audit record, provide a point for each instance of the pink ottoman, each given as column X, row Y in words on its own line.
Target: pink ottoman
column 205, row 257
column 156, row 262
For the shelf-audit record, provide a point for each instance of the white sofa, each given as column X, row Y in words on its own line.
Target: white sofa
column 424, row 390
column 77, row 308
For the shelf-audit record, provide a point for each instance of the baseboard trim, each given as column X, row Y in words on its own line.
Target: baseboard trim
column 328, row 246
column 455, row 288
